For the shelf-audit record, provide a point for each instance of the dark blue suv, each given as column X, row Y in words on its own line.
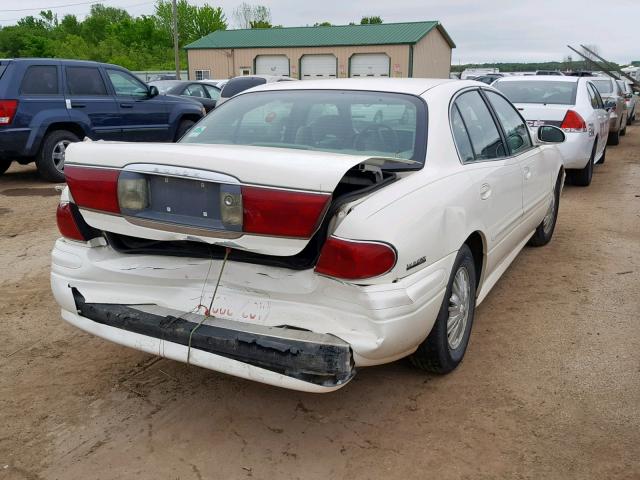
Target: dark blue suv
column 45, row 104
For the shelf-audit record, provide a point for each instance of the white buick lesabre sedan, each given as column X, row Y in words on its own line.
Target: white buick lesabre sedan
column 291, row 237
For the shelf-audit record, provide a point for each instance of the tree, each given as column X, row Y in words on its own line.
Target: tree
column 370, row 20
column 252, row 16
column 193, row 22
column 322, row 24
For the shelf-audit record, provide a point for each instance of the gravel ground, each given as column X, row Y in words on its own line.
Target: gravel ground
column 550, row 387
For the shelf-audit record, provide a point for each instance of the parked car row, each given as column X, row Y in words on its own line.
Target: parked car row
column 592, row 111
column 294, row 235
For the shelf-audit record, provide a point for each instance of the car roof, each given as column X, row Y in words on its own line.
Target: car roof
column 57, row 61
column 540, row 78
column 413, row 86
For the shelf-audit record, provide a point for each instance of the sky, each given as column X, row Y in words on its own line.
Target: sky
column 484, row 31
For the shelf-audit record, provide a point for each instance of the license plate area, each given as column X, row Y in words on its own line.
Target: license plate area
column 194, row 203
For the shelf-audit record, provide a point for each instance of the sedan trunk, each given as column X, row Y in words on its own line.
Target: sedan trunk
column 268, row 205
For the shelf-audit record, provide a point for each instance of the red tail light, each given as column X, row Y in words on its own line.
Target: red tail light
column 573, row 122
column 94, row 188
column 267, row 211
column 355, row 260
column 67, row 223
column 7, row 111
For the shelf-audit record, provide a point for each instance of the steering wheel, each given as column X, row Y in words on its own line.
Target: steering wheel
column 377, row 129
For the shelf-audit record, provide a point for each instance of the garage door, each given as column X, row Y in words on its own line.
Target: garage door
column 272, row 65
column 369, row 65
column 318, row 66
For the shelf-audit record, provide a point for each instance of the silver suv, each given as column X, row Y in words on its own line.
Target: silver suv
column 614, row 102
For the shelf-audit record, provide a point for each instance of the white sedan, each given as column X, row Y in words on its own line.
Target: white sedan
column 287, row 242
column 571, row 103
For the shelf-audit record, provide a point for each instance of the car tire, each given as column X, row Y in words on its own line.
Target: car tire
column 603, row 157
column 582, row 177
column 544, row 231
column 4, row 166
column 441, row 352
column 183, row 128
column 50, row 158
column 614, row 138
column 623, row 132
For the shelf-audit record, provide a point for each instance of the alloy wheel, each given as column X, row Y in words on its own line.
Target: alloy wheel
column 58, row 154
column 459, row 305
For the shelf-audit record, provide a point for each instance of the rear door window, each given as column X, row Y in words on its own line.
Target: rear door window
column 85, row 81
column 596, row 94
column 515, row 129
column 461, row 136
column 194, row 90
column 213, row 92
column 483, row 132
column 40, row 80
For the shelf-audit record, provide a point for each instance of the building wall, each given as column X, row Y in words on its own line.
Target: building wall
column 227, row 63
column 432, row 56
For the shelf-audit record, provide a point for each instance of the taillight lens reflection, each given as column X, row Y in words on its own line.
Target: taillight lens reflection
column 67, row 223
column 282, row 213
column 7, row 111
column 573, row 122
column 94, row 188
column 355, row 260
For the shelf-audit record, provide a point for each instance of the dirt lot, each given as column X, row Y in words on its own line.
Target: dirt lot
column 550, row 387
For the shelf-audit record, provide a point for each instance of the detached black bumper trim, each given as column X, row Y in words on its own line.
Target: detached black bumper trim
column 321, row 359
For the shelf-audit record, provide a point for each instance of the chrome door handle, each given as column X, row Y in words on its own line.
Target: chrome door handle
column 527, row 173
column 485, row 191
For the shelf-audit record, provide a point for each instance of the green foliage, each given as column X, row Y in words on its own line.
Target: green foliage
column 322, row 24
column 111, row 35
column 526, row 67
column 370, row 20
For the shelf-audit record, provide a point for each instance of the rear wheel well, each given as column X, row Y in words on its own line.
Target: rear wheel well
column 476, row 245
column 68, row 126
column 189, row 116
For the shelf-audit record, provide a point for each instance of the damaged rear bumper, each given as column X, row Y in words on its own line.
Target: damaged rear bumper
column 278, row 356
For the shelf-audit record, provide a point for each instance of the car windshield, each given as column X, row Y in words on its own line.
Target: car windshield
column 603, row 86
column 545, row 92
column 350, row 122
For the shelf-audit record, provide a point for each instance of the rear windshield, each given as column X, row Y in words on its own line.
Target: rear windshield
column 349, row 122
column 544, row 92
column 237, row 85
column 603, row 86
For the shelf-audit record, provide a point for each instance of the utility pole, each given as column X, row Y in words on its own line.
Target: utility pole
column 176, row 48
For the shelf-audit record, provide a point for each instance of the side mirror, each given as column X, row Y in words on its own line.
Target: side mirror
column 609, row 104
column 153, row 91
column 550, row 134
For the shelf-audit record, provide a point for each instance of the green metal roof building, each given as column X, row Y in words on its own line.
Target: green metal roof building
column 412, row 49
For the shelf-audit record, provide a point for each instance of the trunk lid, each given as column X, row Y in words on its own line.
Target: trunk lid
column 188, row 186
column 537, row 114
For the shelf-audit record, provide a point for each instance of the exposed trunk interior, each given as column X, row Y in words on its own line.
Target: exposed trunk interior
column 358, row 181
